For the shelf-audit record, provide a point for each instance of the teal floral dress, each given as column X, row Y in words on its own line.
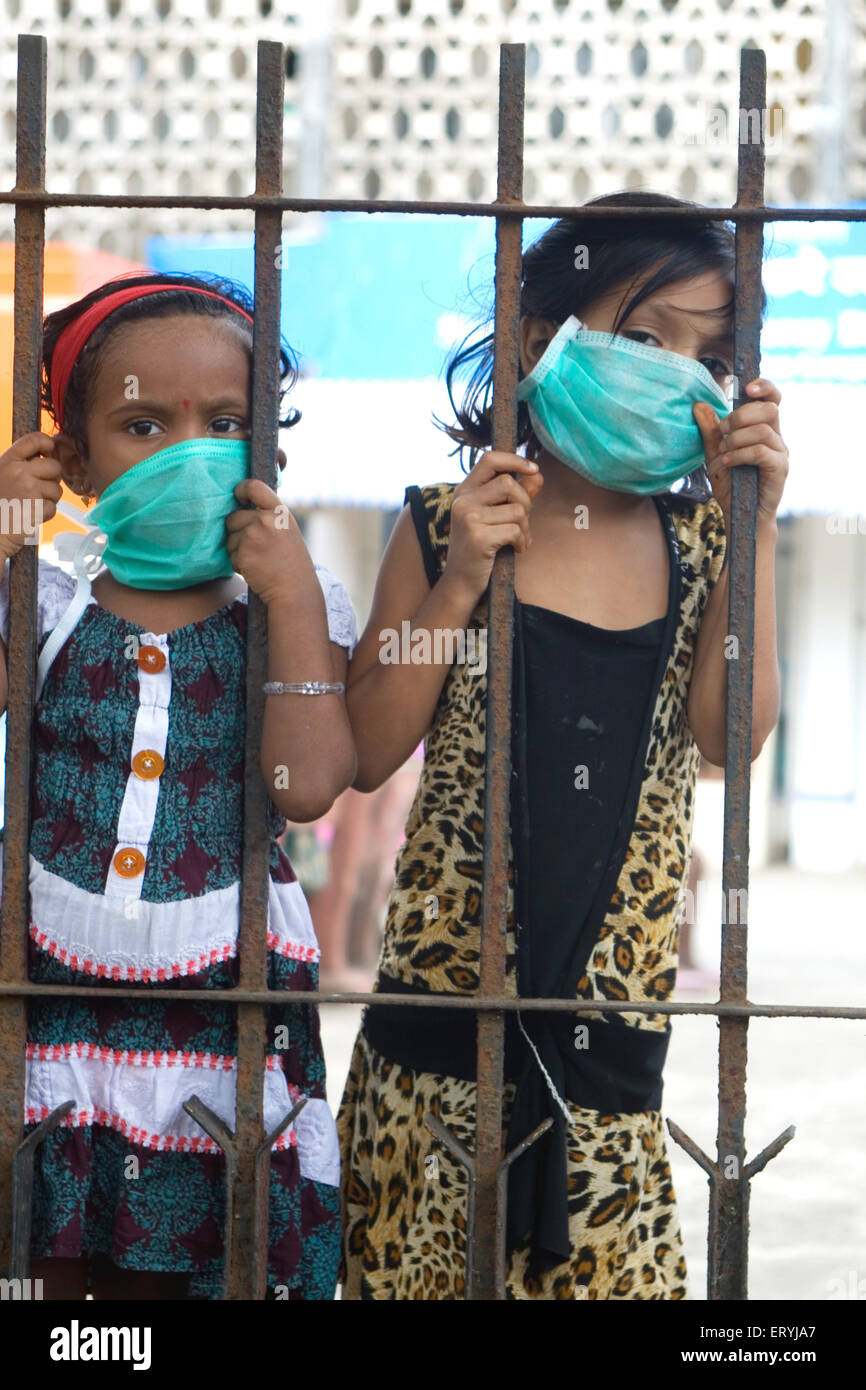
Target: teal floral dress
column 135, row 862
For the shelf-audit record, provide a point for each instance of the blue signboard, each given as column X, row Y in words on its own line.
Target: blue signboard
column 386, row 296
column 815, row 277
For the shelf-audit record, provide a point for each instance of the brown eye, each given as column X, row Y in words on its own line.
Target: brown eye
column 715, row 366
column 227, row 424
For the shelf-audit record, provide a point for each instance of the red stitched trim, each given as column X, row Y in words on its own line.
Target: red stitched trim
column 291, row 950
column 92, row 1052
column 141, row 1137
column 308, row 954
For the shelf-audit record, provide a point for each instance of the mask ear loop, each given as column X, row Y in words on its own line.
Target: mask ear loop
column 85, row 553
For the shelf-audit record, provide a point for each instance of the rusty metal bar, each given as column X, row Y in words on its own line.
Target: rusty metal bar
column 252, row 202
column 264, row 996
column 21, row 666
column 730, row 1175
column 486, row 1214
column 729, row 1214
column 247, row 1238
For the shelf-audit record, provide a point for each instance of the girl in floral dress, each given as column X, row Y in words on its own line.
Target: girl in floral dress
column 137, row 797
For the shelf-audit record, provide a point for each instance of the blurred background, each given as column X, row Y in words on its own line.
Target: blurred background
column 399, row 100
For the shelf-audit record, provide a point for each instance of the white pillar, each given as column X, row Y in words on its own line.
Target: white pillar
column 826, row 701
column 348, row 540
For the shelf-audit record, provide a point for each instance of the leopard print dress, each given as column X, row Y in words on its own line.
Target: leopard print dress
column 404, row 1196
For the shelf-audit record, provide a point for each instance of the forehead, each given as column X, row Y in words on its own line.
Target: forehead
column 179, row 346
column 709, row 292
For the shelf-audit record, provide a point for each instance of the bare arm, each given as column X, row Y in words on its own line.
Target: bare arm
column 707, row 700
column 307, row 755
column 391, row 704
column 750, row 435
column 29, row 483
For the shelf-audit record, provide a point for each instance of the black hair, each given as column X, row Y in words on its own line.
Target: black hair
column 618, row 252
column 79, row 389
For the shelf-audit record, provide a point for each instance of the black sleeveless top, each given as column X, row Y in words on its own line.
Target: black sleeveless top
column 581, row 698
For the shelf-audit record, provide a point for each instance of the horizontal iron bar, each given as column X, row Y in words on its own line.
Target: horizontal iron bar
column 442, row 1001
column 252, row 201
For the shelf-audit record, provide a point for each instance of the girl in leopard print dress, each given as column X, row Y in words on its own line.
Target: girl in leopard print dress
column 621, row 602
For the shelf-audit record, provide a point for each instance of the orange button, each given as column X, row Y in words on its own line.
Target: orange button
column 150, row 658
column 147, row 764
column 129, row 862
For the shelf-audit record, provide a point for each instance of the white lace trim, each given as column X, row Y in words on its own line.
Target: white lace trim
column 56, row 589
column 138, row 940
column 145, row 1103
column 135, row 1057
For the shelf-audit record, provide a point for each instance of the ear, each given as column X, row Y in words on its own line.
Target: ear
column 73, row 466
column 281, row 459
column 535, row 335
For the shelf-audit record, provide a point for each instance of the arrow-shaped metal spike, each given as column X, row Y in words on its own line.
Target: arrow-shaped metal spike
column 717, row 1178
column 22, row 1189
column 466, row 1159
column 217, row 1130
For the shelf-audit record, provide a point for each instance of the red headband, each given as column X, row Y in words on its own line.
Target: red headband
column 76, row 333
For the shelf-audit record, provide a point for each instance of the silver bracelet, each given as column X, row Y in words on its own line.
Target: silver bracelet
column 303, row 687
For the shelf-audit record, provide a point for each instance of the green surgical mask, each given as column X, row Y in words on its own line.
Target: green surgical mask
column 619, row 412
column 160, row 525
column 164, row 519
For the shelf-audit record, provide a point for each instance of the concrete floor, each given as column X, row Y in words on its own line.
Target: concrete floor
column 807, row 945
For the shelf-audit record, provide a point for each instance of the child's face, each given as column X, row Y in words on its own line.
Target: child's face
column 158, row 383
column 687, row 317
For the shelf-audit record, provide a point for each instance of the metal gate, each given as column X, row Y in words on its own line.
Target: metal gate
column 247, row 1149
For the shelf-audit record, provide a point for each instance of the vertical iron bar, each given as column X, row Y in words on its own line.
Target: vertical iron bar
column 727, row 1273
column 246, row 1242
column 29, row 245
column 486, row 1277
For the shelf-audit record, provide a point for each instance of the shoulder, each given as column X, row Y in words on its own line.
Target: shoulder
column 700, row 528
column 430, row 506
column 55, row 589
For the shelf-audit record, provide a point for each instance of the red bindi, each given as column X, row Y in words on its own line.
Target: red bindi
column 186, row 405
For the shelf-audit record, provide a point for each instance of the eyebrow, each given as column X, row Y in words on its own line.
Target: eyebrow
column 722, row 338
column 214, row 403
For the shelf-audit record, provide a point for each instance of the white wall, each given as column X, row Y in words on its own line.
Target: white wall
column 827, row 710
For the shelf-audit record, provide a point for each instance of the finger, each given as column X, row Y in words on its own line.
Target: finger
column 532, row 484
column 761, row 389
column 46, row 468
column 497, row 461
column 507, row 512
column 255, row 491
column 32, row 443
column 752, row 413
column 710, row 427
column 508, row 535
column 760, row 454
column 503, row 487
column 237, row 521
column 745, row 438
